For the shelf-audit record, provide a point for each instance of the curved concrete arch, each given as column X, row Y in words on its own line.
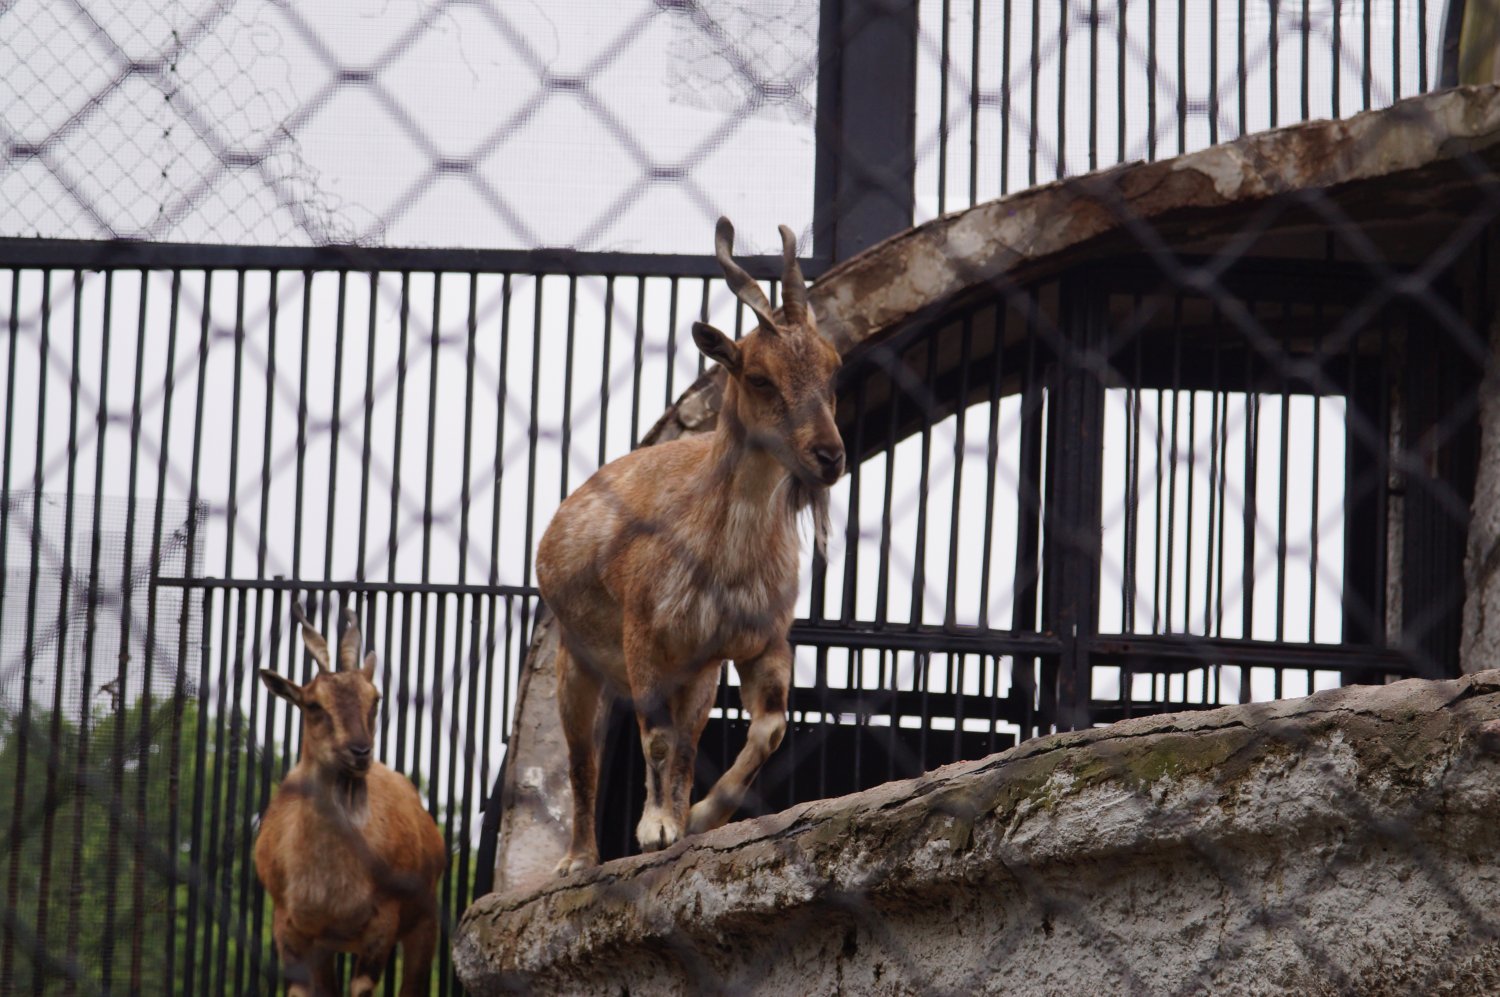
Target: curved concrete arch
column 1395, row 184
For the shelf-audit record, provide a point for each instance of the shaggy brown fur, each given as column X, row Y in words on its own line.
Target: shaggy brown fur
column 677, row 557
column 347, row 852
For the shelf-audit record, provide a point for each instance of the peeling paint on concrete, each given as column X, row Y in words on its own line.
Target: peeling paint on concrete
column 1224, row 165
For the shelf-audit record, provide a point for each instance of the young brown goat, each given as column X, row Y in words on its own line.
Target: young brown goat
column 346, row 850
column 676, row 557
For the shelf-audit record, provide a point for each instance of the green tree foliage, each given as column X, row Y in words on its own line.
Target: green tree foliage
column 127, row 841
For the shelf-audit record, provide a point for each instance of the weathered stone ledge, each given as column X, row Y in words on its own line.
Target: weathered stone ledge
column 1340, row 842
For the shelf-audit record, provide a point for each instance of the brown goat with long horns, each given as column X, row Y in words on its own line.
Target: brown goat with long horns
column 346, row 850
column 676, row 557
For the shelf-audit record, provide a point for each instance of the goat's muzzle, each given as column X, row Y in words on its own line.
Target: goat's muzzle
column 830, row 462
column 360, row 758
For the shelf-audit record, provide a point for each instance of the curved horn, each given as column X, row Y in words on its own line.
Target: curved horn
column 316, row 645
column 349, row 643
column 744, row 286
column 793, row 288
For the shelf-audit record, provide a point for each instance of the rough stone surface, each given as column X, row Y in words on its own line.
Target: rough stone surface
column 1340, row 843
column 1422, row 161
column 1481, row 631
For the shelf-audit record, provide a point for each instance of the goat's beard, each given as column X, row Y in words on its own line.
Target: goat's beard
column 814, row 500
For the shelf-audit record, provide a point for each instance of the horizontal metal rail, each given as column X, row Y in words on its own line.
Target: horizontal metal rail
column 396, row 588
column 123, row 254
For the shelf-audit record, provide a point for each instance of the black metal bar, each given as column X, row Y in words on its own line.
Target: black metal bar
column 974, row 35
column 960, row 422
column 1338, row 53
column 1241, row 70
column 403, row 326
column 1093, row 83
column 369, row 410
column 13, row 872
column 51, row 801
column 1063, row 10
column 192, row 548
column 152, row 608
column 118, row 254
column 81, row 773
column 1366, row 65
column 1071, row 597
column 929, row 638
column 1213, row 72
column 1182, row 77
column 1306, row 32
column 336, row 406
column 1035, row 117
column 946, row 56
column 991, row 464
column 1396, row 53
column 1273, row 50
column 1453, row 23
column 306, row 585
column 434, row 355
column 471, row 335
column 606, row 370
column 1005, row 98
column 871, row 125
column 1029, row 536
column 924, row 481
column 1151, row 78
column 122, row 674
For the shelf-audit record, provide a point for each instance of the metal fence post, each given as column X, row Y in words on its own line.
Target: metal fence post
column 1070, row 604
column 866, row 127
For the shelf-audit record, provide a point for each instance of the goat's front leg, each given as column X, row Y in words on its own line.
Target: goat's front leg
column 671, row 709
column 764, row 682
column 306, row 966
column 375, row 949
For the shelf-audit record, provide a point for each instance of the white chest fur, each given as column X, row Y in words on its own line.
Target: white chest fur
column 734, row 584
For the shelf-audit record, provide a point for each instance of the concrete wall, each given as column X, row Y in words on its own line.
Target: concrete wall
column 1343, row 842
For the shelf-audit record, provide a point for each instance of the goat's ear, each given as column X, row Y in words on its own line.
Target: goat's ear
column 282, row 686
column 369, row 668
column 717, row 346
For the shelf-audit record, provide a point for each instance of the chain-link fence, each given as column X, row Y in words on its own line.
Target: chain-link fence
column 234, row 377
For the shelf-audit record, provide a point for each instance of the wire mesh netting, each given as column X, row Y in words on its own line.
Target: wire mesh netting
column 220, row 421
column 594, row 126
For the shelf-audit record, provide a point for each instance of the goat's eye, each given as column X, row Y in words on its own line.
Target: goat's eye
column 314, row 710
column 758, row 382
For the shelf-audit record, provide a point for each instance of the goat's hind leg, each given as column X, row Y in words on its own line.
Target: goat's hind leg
column 764, row 682
column 578, row 693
